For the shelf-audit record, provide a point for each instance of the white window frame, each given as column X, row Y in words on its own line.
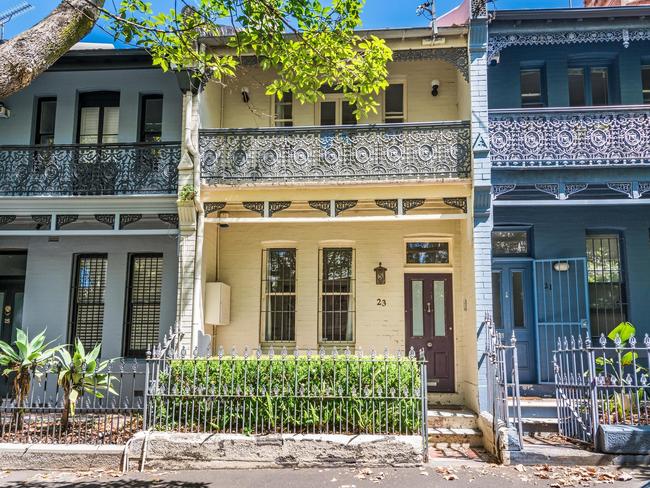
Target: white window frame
column 352, row 294
column 264, row 294
column 338, row 98
column 396, row 81
column 274, row 119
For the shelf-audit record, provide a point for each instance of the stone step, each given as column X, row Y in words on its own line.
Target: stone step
column 535, row 407
column 539, row 424
column 452, row 418
column 443, row 437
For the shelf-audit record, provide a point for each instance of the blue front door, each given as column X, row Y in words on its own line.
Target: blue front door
column 512, row 291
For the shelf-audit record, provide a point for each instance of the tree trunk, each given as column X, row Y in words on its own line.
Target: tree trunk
column 27, row 55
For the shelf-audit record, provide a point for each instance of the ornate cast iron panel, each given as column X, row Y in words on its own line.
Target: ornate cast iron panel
column 570, row 138
column 108, row 219
column 42, row 221
column 169, row 218
column 343, row 205
column 128, row 219
column 6, row 219
column 457, row 202
column 479, row 8
column 322, row 205
column 254, row 207
column 388, row 205
column 110, row 169
column 411, row 203
column 391, row 151
column 63, row 220
column 212, row 207
column 277, row 206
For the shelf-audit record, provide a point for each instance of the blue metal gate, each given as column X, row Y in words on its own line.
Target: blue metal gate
column 561, row 306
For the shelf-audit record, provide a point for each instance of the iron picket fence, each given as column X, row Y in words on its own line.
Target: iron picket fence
column 504, row 396
column 265, row 393
column 602, row 384
column 98, row 415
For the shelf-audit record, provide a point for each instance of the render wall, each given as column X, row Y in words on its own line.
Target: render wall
column 240, row 258
column 49, row 273
column 66, row 87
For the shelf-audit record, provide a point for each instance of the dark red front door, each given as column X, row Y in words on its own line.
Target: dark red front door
column 429, row 326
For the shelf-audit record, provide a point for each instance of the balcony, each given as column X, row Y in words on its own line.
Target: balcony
column 570, row 137
column 108, row 169
column 364, row 152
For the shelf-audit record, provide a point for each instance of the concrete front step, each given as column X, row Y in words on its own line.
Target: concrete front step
column 452, row 418
column 449, row 437
column 537, row 425
column 535, row 407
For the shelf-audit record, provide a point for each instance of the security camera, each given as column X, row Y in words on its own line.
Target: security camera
column 435, row 84
column 245, row 94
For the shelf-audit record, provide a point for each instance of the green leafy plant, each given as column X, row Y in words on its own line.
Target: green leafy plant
column 80, row 373
column 187, row 193
column 23, row 362
column 612, row 370
column 349, row 395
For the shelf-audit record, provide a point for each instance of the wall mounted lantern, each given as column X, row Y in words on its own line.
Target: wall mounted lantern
column 380, row 275
column 561, row 266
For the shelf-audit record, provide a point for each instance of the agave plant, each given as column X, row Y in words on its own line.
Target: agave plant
column 80, row 373
column 24, row 362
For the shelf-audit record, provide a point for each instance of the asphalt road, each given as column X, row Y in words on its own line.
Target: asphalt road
column 456, row 475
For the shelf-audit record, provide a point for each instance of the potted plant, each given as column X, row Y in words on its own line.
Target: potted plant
column 186, row 206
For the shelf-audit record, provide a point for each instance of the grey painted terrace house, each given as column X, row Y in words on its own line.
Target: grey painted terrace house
column 88, row 214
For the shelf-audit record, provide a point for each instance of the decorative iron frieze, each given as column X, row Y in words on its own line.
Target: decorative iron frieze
column 277, row 207
column 498, row 190
column 257, row 207
column 322, row 205
column 169, row 218
column 128, row 219
column 573, row 188
column 108, row 169
column 341, row 206
column 644, row 187
column 42, row 221
column 63, row 220
column 457, row 202
column 108, row 219
column 549, row 188
column 388, row 205
column 479, row 8
column 6, row 219
column 411, row 203
column 625, row 188
column 381, row 152
column 212, row 207
column 570, row 138
column 499, row 42
column 455, row 56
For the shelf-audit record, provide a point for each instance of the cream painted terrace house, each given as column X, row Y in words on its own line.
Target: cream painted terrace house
column 316, row 231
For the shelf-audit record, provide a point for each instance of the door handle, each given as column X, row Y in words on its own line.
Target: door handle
column 428, row 307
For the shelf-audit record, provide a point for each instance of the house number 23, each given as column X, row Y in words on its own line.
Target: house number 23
column 381, row 302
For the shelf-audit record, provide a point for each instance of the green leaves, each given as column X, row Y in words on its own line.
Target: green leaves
column 307, row 45
column 624, row 330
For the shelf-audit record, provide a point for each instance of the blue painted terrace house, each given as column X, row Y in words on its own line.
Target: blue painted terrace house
column 570, row 153
column 88, row 214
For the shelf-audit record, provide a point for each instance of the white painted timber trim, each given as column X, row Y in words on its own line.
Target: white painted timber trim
column 145, row 204
column 317, row 220
column 142, row 232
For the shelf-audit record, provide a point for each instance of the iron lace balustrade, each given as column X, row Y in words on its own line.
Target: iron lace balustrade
column 80, row 169
column 570, row 137
column 366, row 152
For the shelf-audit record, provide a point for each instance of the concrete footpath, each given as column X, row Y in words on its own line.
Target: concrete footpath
column 475, row 474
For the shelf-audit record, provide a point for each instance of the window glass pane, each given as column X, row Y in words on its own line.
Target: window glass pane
column 576, row 87
column 347, row 115
column 531, row 88
column 284, row 111
column 645, row 82
column 47, row 116
column 279, row 302
column 13, row 264
column 18, row 310
column 607, row 294
column 518, row 299
column 151, row 124
column 89, row 125
column 418, row 310
column 327, row 113
column 510, row 243
column 111, row 124
column 497, row 315
column 143, row 314
column 394, row 100
column 337, row 300
column 427, row 252
column 439, row 326
column 599, row 86
column 87, row 315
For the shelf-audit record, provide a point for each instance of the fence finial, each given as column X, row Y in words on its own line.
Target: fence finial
column 271, row 352
column 513, row 339
column 573, row 342
column 632, row 341
column 587, row 342
column 602, row 340
column 617, row 340
column 646, row 341
column 411, row 353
